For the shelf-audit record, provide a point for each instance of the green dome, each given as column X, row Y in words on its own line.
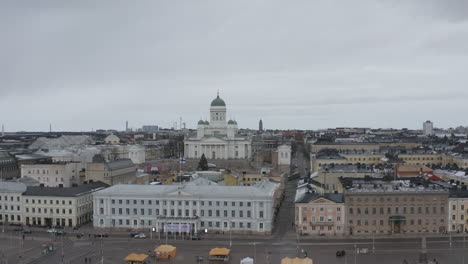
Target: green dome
column 232, row 122
column 218, row 102
column 201, row 122
column 207, row 123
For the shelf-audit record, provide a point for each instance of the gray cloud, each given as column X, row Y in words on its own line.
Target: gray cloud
column 301, row 64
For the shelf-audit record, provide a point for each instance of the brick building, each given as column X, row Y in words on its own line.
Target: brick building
column 391, row 207
column 320, row 215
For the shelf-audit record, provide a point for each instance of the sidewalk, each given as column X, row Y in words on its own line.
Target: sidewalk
column 380, row 236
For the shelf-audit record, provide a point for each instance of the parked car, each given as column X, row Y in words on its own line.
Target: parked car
column 196, row 238
column 27, row 231
column 140, row 235
column 101, row 235
column 52, row 230
column 340, row 253
column 133, row 234
column 18, row 229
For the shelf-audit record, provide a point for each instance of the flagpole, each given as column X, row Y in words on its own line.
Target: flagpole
column 180, row 169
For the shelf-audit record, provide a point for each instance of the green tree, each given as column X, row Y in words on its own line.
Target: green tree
column 203, row 163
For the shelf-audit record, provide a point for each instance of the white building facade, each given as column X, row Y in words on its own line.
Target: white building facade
column 428, row 128
column 55, row 206
column 10, row 202
column 187, row 208
column 284, row 155
column 136, row 153
column 217, row 139
column 53, row 174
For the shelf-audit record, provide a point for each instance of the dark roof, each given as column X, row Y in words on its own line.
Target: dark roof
column 5, row 155
column 309, row 197
column 65, row 192
column 119, row 164
column 218, row 102
column 456, row 192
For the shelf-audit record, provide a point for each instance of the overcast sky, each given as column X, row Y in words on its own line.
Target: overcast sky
column 84, row 65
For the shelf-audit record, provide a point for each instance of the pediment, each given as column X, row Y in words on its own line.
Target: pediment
column 322, row 200
column 180, row 193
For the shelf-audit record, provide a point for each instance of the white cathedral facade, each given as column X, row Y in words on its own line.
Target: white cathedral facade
column 218, row 138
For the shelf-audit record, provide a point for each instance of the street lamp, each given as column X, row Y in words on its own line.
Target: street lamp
column 373, row 241
column 230, row 237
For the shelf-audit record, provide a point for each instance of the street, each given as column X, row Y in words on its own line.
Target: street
column 115, row 248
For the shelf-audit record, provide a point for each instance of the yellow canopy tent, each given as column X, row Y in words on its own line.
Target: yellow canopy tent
column 166, row 251
column 136, row 258
column 219, row 254
column 296, row 261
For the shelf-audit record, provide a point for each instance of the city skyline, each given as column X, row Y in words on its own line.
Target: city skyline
column 309, row 65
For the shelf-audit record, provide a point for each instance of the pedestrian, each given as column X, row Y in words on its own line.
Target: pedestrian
column 85, row 260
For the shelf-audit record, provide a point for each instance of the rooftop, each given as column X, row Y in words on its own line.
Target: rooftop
column 119, row 164
column 309, row 197
column 65, row 192
column 369, row 184
column 262, row 189
column 12, row 187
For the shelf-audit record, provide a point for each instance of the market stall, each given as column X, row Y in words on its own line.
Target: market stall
column 165, row 252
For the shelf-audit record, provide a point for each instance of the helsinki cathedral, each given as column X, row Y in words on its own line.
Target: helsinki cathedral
column 218, row 138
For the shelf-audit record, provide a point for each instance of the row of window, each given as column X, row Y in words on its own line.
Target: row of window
column 10, row 218
column 47, row 210
column 44, row 171
column 33, row 201
column 454, row 217
column 187, row 203
column 12, row 207
column 454, row 207
column 12, row 198
column 389, row 223
column 321, row 228
column 321, row 219
column 181, row 213
column 395, row 199
column 396, row 210
column 46, row 179
column 321, row 209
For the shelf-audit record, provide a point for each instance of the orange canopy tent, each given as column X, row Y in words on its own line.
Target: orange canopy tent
column 296, row 261
column 219, row 252
column 136, row 258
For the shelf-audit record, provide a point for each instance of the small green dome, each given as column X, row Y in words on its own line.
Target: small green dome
column 232, row 122
column 207, row 123
column 201, row 122
column 218, row 102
